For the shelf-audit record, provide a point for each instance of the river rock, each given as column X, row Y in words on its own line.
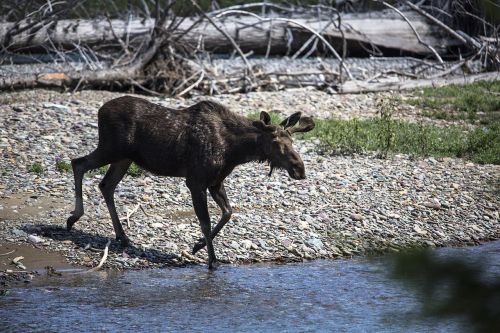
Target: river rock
column 356, row 217
column 315, row 243
column 35, row 239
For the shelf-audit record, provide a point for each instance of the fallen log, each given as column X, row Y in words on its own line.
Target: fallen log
column 383, row 30
column 356, row 87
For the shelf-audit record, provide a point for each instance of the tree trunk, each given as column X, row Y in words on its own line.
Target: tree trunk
column 383, row 31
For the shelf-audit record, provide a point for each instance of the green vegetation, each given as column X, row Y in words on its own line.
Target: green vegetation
column 481, row 145
column 100, row 171
column 36, row 167
column 384, row 134
column 134, row 170
column 63, row 166
column 476, row 103
column 451, row 287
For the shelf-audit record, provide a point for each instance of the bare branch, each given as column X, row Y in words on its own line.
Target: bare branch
column 414, row 30
column 293, row 22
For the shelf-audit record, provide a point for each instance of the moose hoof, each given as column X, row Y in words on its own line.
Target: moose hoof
column 124, row 241
column 198, row 246
column 71, row 221
column 213, row 265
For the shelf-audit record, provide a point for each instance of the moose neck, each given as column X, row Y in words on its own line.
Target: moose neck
column 245, row 146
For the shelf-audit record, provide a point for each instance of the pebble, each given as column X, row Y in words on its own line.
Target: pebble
column 54, row 106
column 35, row 239
column 433, row 203
column 356, row 217
column 247, row 244
column 315, row 243
column 19, row 233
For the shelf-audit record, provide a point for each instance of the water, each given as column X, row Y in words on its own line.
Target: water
column 341, row 296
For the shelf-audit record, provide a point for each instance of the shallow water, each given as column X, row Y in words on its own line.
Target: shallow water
column 342, row 296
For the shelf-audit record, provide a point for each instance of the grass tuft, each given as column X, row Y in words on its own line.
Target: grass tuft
column 63, row 166
column 36, row 167
column 475, row 103
column 134, row 170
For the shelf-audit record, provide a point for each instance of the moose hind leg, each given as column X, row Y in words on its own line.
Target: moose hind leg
column 218, row 193
column 80, row 166
column 107, row 186
column 199, row 197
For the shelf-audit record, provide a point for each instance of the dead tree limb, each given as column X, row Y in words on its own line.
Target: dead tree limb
column 222, row 31
column 356, row 87
column 420, row 40
column 439, row 23
column 293, row 22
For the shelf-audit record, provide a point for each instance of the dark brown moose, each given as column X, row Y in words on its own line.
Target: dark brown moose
column 202, row 143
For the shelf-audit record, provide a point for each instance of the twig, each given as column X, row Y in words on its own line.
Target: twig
column 6, row 254
column 309, row 41
column 129, row 214
column 454, row 67
column 269, row 41
column 313, row 48
column 140, row 86
column 224, row 32
column 438, row 22
column 146, row 213
column 103, row 259
column 193, row 85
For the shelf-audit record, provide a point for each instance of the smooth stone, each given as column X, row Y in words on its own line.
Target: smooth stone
column 315, row 243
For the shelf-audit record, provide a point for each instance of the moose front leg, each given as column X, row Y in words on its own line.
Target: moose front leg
column 199, row 196
column 218, row 193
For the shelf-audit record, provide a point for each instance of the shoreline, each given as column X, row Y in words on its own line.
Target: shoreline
column 348, row 205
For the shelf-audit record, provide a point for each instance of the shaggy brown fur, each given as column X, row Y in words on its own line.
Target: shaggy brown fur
column 202, row 143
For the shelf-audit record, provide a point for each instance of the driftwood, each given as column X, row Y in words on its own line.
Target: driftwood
column 73, row 78
column 102, row 261
column 387, row 31
column 166, row 54
column 354, row 87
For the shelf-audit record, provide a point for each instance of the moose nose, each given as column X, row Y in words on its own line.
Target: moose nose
column 300, row 175
column 298, row 172
column 296, row 169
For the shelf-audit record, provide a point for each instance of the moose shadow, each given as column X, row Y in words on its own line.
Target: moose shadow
column 82, row 239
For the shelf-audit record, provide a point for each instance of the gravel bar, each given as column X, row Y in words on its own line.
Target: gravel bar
column 348, row 205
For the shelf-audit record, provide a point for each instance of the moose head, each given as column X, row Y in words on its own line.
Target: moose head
column 277, row 142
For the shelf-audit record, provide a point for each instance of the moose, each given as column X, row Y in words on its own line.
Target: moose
column 202, row 143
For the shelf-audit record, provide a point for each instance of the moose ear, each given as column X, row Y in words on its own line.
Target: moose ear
column 265, row 117
column 306, row 124
column 290, row 121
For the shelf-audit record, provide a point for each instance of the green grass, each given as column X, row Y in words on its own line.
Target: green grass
column 99, row 171
column 36, row 167
column 134, row 170
column 386, row 135
column 63, row 166
column 481, row 145
column 475, row 103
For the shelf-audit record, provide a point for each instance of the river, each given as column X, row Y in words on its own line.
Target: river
column 348, row 295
